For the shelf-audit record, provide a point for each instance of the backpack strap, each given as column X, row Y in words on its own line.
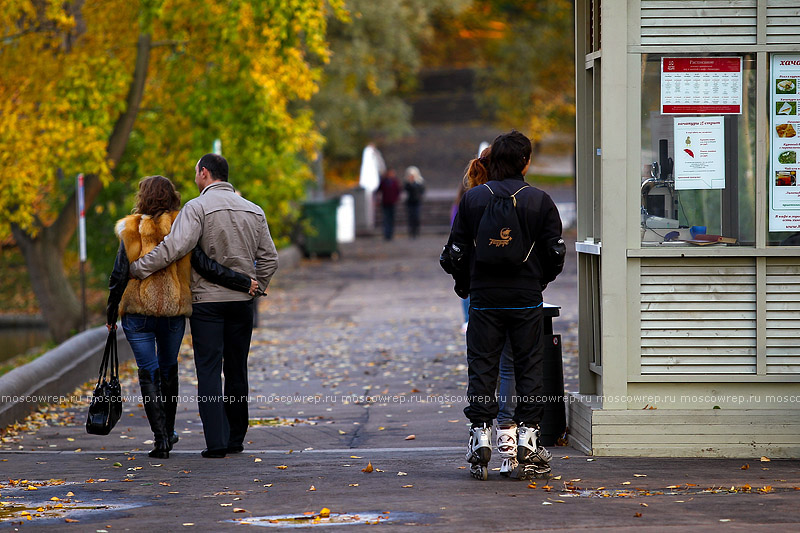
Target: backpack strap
column 514, row 199
column 513, row 196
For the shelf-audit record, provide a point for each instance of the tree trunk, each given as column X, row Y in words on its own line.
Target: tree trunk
column 60, row 307
column 43, row 254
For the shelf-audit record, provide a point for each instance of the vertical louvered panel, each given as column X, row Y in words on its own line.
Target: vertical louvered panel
column 783, row 22
column 677, row 22
column 698, row 316
column 783, row 316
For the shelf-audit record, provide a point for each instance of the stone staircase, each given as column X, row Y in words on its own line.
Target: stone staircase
column 448, row 130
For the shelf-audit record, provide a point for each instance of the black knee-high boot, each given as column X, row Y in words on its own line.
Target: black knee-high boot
column 154, row 408
column 169, row 388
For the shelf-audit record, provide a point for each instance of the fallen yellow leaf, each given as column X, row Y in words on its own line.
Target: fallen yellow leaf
column 281, row 467
column 239, row 510
column 325, row 512
column 410, row 437
column 312, row 488
column 257, row 460
column 368, row 468
column 764, row 459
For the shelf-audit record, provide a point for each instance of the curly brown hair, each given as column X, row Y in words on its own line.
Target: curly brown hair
column 156, row 195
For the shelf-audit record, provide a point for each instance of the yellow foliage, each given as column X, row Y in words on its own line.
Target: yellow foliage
column 216, row 70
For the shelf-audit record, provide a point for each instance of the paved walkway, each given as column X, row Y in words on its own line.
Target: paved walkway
column 358, row 365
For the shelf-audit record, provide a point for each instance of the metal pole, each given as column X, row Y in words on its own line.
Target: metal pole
column 82, row 246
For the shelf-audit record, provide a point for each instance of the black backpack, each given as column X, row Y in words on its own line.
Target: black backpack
column 502, row 240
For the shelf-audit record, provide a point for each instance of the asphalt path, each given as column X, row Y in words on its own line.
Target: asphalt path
column 357, row 379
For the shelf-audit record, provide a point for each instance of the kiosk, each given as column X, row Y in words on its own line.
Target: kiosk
column 688, row 151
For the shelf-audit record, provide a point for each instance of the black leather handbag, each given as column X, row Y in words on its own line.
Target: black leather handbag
column 106, row 407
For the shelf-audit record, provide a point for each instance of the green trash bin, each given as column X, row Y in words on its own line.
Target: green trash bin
column 319, row 239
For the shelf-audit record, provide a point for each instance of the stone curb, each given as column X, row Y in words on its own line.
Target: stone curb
column 72, row 363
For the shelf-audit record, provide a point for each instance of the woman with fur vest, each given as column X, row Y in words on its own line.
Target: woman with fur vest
column 154, row 309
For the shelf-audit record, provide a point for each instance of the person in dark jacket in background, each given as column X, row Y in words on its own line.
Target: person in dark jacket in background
column 154, row 310
column 506, row 303
column 390, row 194
column 415, row 190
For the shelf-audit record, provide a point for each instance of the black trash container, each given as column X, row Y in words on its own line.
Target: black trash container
column 554, row 419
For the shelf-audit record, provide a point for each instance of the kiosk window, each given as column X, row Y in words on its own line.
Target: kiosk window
column 697, row 184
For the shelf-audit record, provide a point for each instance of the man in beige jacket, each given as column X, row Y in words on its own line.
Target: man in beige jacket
column 234, row 232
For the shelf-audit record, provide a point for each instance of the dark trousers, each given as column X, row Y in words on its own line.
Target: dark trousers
column 486, row 336
column 413, row 220
column 221, row 334
column 388, row 222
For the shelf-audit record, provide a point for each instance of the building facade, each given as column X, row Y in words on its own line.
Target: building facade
column 688, row 192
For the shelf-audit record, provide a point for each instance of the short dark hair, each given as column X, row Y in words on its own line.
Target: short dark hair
column 509, row 155
column 216, row 165
column 156, row 195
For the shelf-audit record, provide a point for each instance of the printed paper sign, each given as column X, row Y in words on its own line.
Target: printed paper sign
column 699, row 153
column 784, row 205
column 701, row 85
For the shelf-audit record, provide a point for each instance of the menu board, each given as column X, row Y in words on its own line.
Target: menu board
column 701, row 85
column 784, row 205
column 699, row 153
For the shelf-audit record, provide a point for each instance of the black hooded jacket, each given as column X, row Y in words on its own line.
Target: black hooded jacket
column 536, row 210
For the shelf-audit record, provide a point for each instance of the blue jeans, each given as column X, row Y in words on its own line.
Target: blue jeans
column 465, row 308
column 155, row 341
column 507, row 387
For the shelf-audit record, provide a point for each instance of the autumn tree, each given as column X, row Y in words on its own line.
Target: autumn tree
column 523, row 53
column 83, row 82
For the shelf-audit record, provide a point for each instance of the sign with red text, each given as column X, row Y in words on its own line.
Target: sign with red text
column 784, row 188
column 699, row 153
column 701, row 85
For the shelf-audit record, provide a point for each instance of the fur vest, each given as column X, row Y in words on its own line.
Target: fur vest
column 166, row 292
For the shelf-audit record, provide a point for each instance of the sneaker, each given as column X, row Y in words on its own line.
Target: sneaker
column 464, row 327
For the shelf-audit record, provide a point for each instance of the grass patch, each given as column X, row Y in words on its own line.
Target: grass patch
column 538, row 180
column 23, row 359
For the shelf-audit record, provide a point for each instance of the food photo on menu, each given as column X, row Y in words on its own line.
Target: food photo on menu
column 785, row 130
column 787, row 157
column 786, row 108
column 785, row 86
column 785, row 178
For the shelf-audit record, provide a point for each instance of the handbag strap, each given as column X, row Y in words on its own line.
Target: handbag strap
column 114, row 354
column 111, row 345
